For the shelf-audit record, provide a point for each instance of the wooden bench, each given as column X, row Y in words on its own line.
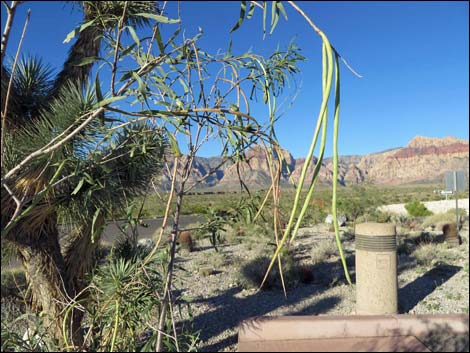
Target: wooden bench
column 382, row 333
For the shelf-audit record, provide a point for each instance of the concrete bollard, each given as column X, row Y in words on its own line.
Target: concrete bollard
column 376, row 269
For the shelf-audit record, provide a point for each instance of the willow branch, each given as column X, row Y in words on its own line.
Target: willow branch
column 11, row 10
column 116, row 50
column 10, row 83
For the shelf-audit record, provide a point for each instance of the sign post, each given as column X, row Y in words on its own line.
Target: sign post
column 455, row 181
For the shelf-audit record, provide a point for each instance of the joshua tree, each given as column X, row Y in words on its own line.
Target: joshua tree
column 91, row 180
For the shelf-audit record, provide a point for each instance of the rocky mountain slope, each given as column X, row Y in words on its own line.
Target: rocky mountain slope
column 423, row 159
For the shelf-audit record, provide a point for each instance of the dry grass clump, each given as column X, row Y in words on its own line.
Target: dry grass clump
column 436, row 221
column 323, row 250
column 431, row 254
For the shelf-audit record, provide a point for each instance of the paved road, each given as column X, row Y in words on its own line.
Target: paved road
column 111, row 232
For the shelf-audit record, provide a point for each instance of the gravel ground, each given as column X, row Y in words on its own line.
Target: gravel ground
column 433, row 206
column 219, row 303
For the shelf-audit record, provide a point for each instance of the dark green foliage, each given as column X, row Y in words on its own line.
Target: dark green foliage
column 417, row 209
column 123, row 295
column 252, row 272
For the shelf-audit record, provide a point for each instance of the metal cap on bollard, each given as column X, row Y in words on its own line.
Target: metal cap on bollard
column 376, row 269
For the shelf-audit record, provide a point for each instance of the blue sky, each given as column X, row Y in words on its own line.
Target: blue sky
column 413, row 56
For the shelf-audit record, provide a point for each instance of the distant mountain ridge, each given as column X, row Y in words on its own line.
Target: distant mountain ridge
column 423, row 159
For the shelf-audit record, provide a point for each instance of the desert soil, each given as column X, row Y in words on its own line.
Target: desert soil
column 219, row 302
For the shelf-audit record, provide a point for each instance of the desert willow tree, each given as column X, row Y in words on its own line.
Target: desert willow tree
column 68, row 159
column 71, row 160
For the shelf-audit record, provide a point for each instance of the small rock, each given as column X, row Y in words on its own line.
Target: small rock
column 341, row 220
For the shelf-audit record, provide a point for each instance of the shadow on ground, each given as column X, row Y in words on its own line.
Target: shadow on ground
column 229, row 308
column 410, row 295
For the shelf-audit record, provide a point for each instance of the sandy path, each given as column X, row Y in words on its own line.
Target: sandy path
column 434, row 206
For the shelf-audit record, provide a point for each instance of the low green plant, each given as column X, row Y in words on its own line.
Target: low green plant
column 251, row 272
column 125, row 296
column 417, row 209
column 323, row 250
column 375, row 216
column 36, row 337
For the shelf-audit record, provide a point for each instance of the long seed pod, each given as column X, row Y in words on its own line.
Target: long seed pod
column 335, row 169
column 323, row 107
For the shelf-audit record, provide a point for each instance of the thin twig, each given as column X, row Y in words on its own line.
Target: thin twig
column 316, row 29
column 11, row 10
column 116, row 50
column 10, row 83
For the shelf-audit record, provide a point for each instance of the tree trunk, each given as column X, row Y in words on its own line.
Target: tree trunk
column 45, row 273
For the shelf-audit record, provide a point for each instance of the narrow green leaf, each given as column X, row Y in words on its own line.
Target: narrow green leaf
column 141, row 83
column 281, row 7
column 265, row 10
column 274, row 16
column 99, row 97
column 78, row 187
column 158, row 38
column 174, row 144
column 241, row 18
column 185, row 87
column 95, row 217
column 251, row 10
column 128, row 49
column 107, row 101
column 77, row 30
column 134, row 35
column 158, row 18
column 85, row 61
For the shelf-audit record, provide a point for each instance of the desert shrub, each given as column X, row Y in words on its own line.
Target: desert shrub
column 417, row 209
column 397, row 218
column 124, row 299
column 375, row 216
column 27, row 333
column 353, row 207
column 323, row 250
column 428, row 254
column 124, row 248
column 442, row 218
column 251, row 272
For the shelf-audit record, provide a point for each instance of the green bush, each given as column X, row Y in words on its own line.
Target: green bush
column 251, row 272
column 125, row 295
column 323, row 250
column 417, row 209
